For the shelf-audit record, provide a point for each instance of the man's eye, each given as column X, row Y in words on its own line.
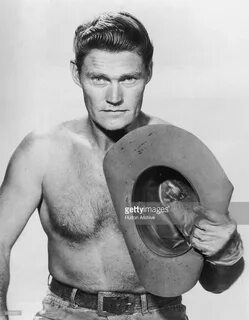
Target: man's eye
column 99, row 80
column 129, row 80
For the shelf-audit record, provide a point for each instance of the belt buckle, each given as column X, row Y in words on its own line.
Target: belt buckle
column 125, row 303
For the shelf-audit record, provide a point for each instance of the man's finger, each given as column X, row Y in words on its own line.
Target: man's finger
column 210, row 215
column 199, row 234
column 206, row 214
column 204, row 248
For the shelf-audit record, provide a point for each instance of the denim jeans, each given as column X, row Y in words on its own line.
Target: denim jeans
column 54, row 308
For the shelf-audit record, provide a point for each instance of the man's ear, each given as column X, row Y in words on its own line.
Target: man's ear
column 75, row 73
column 149, row 71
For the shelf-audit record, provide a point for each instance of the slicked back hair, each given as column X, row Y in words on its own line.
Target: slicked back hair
column 114, row 32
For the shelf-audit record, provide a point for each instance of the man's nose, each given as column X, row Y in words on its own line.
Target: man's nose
column 114, row 94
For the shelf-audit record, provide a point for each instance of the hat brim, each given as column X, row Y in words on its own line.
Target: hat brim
column 170, row 147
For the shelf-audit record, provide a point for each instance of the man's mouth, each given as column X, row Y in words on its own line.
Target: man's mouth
column 109, row 110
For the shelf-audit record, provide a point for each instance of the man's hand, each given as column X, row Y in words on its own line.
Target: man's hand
column 211, row 231
column 213, row 234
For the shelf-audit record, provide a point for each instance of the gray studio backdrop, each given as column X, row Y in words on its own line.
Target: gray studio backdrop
column 200, row 83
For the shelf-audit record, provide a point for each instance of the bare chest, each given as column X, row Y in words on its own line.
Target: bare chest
column 76, row 198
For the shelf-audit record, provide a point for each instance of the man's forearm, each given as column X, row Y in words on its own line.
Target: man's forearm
column 218, row 278
column 4, row 282
column 224, row 268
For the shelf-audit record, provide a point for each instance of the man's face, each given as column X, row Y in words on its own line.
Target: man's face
column 113, row 85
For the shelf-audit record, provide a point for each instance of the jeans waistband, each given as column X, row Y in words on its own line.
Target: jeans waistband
column 108, row 303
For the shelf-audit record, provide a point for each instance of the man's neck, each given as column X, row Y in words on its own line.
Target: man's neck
column 106, row 138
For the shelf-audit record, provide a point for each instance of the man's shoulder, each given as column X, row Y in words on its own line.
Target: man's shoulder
column 42, row 142
column 60, row 135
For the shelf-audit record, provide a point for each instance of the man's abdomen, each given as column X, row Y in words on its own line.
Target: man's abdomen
column 99, row 264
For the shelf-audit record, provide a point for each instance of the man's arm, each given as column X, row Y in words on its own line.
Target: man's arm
column 218, row 278
column 216, row 236
column 224, row 268
column 20, row 195
column 4, row 281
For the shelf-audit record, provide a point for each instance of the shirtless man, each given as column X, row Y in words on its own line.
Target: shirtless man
column 60, row 174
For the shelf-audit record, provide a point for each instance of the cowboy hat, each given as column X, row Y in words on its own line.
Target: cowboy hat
column 147, row 170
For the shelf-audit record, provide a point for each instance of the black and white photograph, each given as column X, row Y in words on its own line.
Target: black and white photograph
column 124, row 160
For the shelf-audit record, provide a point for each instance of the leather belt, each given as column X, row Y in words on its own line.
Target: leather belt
column 108, row 303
